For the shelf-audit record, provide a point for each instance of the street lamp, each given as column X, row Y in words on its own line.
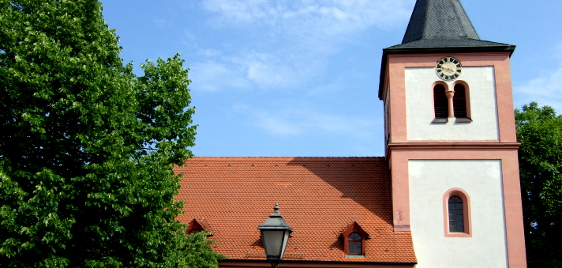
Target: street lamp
column 274, row 236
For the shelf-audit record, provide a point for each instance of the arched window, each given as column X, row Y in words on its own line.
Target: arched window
column 459, row 102
column 456, row 217
column 456, row 212
column 355, row 242
column 440, row 103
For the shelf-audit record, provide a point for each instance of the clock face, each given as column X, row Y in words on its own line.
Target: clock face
column 448, row 68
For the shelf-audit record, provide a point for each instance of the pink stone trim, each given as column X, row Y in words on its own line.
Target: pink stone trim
column 400, row 150
column 398, row 159
column 465, row 209
column 395, row 77
column 450, row 94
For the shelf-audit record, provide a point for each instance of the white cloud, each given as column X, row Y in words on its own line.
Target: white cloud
column 160, row 23
column 261, row 70
column 268, row 70
column 290, row 122
column 284, row 43
column 545, row 90
column 209, row 52
column 332, row 17
column 212, row 76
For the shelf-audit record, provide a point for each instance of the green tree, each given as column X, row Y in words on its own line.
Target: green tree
column 540, row 158
column 87, row 147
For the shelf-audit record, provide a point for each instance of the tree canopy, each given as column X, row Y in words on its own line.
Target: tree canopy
column 87, row 147
column 540, row 158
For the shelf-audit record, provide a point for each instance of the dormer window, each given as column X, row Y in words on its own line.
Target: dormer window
column 196, row 226
column 354, row 241
column 355, row 244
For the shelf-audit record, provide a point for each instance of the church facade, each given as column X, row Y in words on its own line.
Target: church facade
column 446, row 194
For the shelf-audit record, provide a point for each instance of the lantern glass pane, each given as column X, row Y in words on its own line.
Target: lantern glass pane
column 272, row 241
column 286, row 234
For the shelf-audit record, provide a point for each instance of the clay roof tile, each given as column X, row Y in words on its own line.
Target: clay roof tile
column 318, row 196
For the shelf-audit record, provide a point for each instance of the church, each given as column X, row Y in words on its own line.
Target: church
column 446, row 193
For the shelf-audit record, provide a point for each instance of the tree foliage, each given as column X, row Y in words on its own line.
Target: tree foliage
column 540, row 158
column 87, row 147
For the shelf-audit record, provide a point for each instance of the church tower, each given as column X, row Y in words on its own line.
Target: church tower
column 451, row 143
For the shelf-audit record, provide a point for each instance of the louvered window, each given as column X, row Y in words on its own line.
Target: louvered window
column 440, row 104
column 459, row 102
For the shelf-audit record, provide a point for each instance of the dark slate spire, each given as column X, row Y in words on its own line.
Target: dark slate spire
column 442, row 24
column 439, row 19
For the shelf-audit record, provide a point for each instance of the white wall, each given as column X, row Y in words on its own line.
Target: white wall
column 481, row 179
column 419, row 106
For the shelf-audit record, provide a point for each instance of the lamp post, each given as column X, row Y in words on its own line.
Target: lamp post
column 275, row 235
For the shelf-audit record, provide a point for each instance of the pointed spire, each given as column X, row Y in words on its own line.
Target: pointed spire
column 439, row 19
column 443, row 24
column 439, row 26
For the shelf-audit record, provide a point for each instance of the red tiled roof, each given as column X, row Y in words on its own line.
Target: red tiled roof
column 319, row 198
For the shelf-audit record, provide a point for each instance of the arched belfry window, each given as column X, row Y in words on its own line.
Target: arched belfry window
column 456, row 212
column 440, row 103
column 460, row 104
column 451, row 103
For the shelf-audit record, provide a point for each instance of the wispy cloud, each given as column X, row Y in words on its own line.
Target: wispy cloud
column 160, row 23
column 295, row 37
column 248, row 69
column 333, row 16
column 292, row 122
column 545, row 89
column 215, row 76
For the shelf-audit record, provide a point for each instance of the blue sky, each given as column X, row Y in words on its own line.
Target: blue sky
column 300, row 77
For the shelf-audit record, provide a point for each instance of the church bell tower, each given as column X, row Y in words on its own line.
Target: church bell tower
column 451, row 142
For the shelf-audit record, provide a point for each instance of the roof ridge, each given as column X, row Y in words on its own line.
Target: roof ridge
column 293, row 157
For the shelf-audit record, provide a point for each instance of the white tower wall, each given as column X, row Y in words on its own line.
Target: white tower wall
column 419, row 106
column 482, row 180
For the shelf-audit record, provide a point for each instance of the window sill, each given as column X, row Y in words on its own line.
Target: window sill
column 459, row 234
column 354, row 256
column 440, row 120
column 463, row 120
